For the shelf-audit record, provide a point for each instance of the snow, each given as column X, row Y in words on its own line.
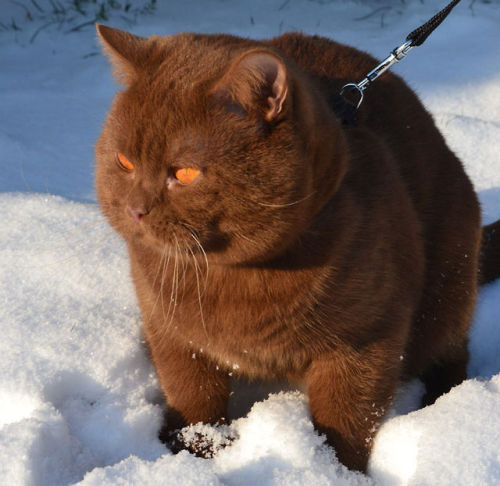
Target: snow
column 79, row 399
column 422, row 447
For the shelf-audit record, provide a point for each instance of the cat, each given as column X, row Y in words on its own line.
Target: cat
column 269, row 241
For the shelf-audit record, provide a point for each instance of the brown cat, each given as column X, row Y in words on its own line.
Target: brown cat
column 268, row 240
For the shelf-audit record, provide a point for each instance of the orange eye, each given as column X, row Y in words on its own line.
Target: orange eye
column 186, row 175
column 124, row 163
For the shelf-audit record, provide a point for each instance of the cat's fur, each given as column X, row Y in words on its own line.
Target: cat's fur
column 490, row 253
column 343, row 257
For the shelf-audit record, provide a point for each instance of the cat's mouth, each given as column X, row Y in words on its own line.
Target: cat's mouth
column 176, row 238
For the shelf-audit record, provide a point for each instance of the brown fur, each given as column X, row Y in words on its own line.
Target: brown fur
column 490, row 253
column 346, row 258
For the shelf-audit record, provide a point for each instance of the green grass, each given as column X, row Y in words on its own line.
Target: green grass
column 72, row 15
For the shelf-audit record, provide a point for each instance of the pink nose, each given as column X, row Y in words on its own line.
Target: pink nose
column 137, row 213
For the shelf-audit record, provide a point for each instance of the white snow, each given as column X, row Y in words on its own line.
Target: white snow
column 79, row 399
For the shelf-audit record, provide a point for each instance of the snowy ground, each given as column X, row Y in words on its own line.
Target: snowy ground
column 79, row 400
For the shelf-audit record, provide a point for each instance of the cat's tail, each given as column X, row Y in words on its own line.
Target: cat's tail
column 490, row 254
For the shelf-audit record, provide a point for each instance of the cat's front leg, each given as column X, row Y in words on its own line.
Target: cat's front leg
column 349, row 394
column 195, row 390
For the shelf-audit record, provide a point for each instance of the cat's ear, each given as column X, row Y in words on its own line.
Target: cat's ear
column 126, row 51
column 258, row 82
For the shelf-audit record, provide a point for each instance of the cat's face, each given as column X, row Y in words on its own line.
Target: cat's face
column 202, row 148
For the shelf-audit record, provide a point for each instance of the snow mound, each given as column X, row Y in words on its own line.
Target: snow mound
column 454, row 442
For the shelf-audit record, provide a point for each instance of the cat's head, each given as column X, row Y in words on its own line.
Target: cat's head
column 214, row 141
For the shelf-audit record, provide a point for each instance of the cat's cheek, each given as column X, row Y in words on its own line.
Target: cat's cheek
column 120, row 220
column 115, row 204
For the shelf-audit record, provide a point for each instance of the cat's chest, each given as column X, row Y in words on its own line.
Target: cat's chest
column 233, row 311
column 245, row 321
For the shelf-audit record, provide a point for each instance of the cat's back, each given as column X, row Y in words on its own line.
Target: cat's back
column 391, row 110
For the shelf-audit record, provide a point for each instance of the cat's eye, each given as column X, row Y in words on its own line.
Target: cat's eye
column 186, row 175
column 124, row 163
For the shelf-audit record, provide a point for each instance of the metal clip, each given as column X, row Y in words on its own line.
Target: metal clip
column 401, row 51
column 357, row 88
column 396, row 55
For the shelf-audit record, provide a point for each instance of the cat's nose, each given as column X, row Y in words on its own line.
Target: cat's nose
column 137, row 213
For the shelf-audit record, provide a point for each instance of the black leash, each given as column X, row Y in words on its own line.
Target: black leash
column 344, row 108
column 418, row 36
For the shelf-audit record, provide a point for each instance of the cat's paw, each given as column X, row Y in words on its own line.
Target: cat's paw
column 202, row 440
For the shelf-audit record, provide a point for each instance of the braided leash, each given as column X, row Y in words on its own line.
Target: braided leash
column 418, row 36
column 345, row 108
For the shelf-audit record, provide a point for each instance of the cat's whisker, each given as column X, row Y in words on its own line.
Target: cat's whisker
column 165, row 272
column 185, row 266
column 161, row 266
column 246, row 238
column 177, row 272
column 174, row 290
column 200, row 246
column 166, row 316
column 199, row 293
column 286, row 205
column 196, row 264
column 192, row 232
